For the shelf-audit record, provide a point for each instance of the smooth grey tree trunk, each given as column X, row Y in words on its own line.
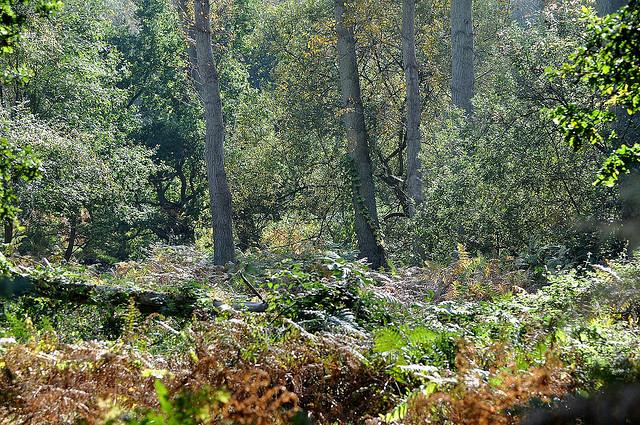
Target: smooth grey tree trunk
column 462, row 72
column 363, row 188
column 526, row 12
column 414, row 105
column 209, row 88
column 606, row 7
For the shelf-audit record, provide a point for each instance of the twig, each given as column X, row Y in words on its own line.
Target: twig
column 167, row 327
column 253, row 289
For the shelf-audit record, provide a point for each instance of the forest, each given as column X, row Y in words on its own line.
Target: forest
column 320, row 212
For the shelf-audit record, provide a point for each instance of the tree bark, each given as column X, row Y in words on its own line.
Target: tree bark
column 462, row 71
column 414, row 106
column 363, row 188
column 606, row 7
column 209, row 89
column 526, row 12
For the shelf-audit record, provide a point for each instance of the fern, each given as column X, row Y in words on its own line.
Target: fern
column 388, row 340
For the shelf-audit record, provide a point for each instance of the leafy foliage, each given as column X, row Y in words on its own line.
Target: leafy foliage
column 608, row 63
column 18, row 165
column 323, row 292
column 90, row 200
column 505, row 184
column 13, row 15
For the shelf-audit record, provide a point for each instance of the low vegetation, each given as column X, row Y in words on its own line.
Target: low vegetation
column 339, row 344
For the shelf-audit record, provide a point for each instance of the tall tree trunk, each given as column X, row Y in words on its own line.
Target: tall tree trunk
column 525, row 12
column 209, row 88
column 462, row 72
column 414, row 106
column 606, row 7
column 364, row 201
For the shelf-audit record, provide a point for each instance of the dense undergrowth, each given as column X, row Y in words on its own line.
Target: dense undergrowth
column 475, row 342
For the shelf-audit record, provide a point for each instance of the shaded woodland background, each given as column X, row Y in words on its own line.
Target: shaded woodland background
column 110, row 108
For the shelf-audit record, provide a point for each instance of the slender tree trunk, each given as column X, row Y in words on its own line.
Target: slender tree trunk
column 414, row 106
column 8, row 231
column 606, row 7
column 364, row 201
column 462, row 72
column 526, row 12
column 209, row 88
column 73, row 230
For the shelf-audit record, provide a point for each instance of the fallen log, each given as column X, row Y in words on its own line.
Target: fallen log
column 147, row 302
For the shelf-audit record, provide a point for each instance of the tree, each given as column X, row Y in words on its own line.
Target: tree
column 89, row 202
column 508, row 183
column 160, row 92
column 462, row 67
column 208, row 85
column 609, row 63
column 75, row 88
column 359, row 158
column 76, row 73
column 414, row 106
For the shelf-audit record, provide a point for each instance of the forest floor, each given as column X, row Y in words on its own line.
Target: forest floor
column 474, row 342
